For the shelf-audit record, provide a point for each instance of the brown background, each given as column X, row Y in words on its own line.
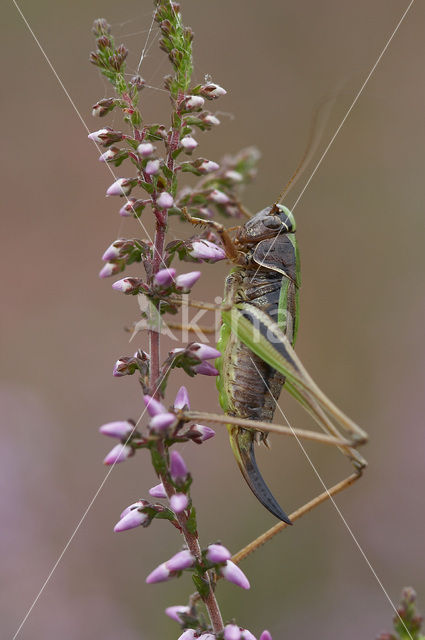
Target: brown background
column 361, row 234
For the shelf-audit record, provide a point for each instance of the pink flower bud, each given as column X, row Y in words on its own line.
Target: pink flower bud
column 165, row 200
column 145, row 149
column 120, row 187
column 204, row 351
column 206, row 250
column 178, row 467
column 126, row 285
column 212, row 91
column 219, row 197
column 164, row 277
column 206, row 369
column 188, row 143
column 199, row 433
column 194, row 102
column 206, row 636
column 118, row 454
column 158, row 491
column 208, row 165
column 182, row 399
column 128, row 208
column 189, row 634
column 179, row 502
column 232, row 573
column 266, row 635
column 152, row 167
column 173, row 612
column 120, row 429
column 109, row 269
column 160, row 574
column 187, row 280
column 109, row 154
column 135, row 505
column 132, row 519
column 181, row 560
column 162, row 421
column 217, row 553
column 100, row 135
column 247, row 635
column 232, row 632
column 234, row 176
column 153, row 406
column 210, row 119
column 111, row 253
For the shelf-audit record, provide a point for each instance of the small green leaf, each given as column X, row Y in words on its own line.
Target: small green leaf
column 191, row 525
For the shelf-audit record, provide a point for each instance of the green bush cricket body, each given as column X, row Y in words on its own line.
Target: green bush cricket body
column 260, row 322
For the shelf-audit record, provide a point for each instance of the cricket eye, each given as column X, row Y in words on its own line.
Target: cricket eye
column 272, row 222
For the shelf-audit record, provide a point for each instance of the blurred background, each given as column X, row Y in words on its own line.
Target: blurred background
column 361, row 235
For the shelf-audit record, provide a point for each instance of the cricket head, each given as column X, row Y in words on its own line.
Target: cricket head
column 268, row 223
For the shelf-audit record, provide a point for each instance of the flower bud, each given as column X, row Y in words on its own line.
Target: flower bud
column 182, row 399
column 206, row 369
column 121, row 187
column 178, row 469
column 193, row 102
column 118, row 454
column 109, row 154
column 127, row 285
column 109, row 269
column 173, row 612
column 152, row 167
column 234, row 176
column 206, row 636
column 187, row 280
column 247, row 635
column 132, row 519
column 232, row 632
column 188, row 143
column 212, row 91
column 154, row 407
column 135, row 505
column 120, row 429
column 162, row 421
column 207, row 166
column 206, row 250
column 132, row 207
column 160, row 574
column 217, row 553
column 145, row 149
column 219, row 197
column 111, row 253
column 199, row 433
column 189, row 634
column 164, row 277
column 181, row 560
column 204, row 351
column 232, row 573
column 103, row 107
column 179, row 502
column 105, row 136
column 165, row 200
column 158, row 491
column 209, row 118
column 266, row 635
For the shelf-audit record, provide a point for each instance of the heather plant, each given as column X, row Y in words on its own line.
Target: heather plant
column 153, row 157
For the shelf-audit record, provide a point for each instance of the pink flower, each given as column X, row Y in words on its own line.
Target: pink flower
column 145, row 149
column 109, row 269
column 126, row 285
column 209, row 118
column 118, row 454
column 120, row 429
column 132, row 519
column 212, row 91
column 206, row 250
column 158, row 491
column 153, row 406
column 199, row 433
column 189, row 634
column 181, row 560
column 182, row 399
column 188, row 143
column 266, row 635
column 207, row 166
column 178, row 468
column 120, row 187
column 232, row 573
column 219, row 197
column 165, row 200
column 187, row 280
column 164, row 277
column 217, row 553
column 206, row 369
column 152, row 167
column 162, row 421
column 194, row 102
column 179, row 502
column 232, row 632
column 173, row 612
column 204, row 351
